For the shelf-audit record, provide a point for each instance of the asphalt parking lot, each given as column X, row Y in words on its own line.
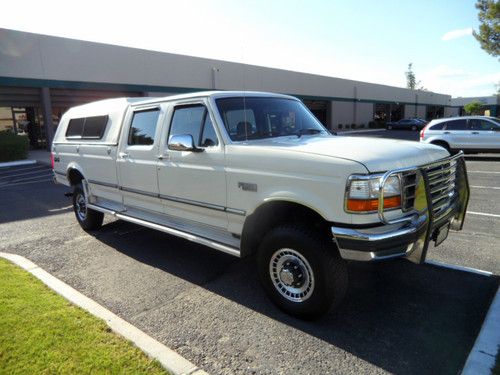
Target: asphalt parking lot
column 397, row 317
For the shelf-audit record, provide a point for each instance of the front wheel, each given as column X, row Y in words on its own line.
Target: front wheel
column 301, row 272
column 87, row 218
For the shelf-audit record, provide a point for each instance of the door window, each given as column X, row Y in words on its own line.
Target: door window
column 478, row 124
column 456, row 125
column 143, row 127
column 195, row 121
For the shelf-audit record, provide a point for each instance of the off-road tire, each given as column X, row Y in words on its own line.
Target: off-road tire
column 328, row 268
column 87, row 218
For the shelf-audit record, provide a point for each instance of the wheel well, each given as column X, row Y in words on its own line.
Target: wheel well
column 270, row 215
column 74, row 176
column 440, row 143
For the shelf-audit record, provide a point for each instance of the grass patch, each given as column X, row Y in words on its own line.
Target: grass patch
column 43, row 333
column 13, row 147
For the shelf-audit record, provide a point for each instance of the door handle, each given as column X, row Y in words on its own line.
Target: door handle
column 164, row 157
column 123, row 155
column 475, row 133
column 446, row 133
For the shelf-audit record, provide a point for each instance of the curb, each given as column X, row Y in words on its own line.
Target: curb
column 168, row 358
column 481, row 359
column 16, row 163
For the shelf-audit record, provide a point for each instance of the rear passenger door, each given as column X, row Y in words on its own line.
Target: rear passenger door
column 137, row 160
column 457, row 134
column 192, row 184
column 484, row 134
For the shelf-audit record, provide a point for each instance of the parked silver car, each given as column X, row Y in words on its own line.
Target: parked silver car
column 472, row 134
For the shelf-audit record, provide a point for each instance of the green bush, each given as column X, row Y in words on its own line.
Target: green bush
column 13, row 147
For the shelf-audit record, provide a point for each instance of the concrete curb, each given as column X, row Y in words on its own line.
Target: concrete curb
column 169, row 359
column 482, row 357
column 16, row 163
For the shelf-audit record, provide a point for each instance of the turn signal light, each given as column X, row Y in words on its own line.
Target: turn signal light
column 52, row 160
column 364, row 205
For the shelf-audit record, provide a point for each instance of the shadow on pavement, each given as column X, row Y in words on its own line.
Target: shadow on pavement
column 404, row 318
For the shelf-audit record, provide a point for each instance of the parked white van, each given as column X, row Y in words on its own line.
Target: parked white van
column 248, row 172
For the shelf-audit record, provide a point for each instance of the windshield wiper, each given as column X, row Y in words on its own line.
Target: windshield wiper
column 305, row 131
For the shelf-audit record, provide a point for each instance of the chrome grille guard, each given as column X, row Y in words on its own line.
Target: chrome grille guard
column 423, row 196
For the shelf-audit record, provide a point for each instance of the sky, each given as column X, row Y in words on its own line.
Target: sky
column 364, row 40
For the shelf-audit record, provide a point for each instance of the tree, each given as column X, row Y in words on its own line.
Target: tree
column 411, row 81
column 474, row 108
column 489, row 29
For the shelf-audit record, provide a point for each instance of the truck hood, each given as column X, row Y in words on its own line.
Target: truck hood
column 376, row 154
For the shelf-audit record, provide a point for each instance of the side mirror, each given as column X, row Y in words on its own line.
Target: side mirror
column 183, row 142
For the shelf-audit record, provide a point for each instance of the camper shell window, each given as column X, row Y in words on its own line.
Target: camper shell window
column 87, row 127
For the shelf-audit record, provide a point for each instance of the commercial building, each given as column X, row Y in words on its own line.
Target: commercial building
column 41, row 76
column 491, row 105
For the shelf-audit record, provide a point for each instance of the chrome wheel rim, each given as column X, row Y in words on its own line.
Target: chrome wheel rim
column 81, row 207
column 291, row 275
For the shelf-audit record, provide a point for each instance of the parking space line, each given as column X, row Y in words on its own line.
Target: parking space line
column 2, row 172
column 488, row 172
column 26, row 178
column 482, row 214
column 26, row 183
column 21, row 174
column 485, row 187
column 458, row 268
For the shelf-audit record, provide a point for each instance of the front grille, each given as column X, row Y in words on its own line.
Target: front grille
column 442, row 185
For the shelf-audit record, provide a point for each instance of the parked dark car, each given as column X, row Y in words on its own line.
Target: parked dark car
column 407, row 124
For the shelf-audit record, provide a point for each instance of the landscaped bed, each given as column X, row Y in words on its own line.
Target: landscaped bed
column 41, row 332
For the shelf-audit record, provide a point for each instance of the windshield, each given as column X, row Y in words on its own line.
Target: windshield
column 261, row 117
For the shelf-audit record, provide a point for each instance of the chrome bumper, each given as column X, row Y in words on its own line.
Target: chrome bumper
column 409, row 236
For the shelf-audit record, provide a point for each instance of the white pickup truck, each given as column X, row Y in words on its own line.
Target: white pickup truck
column 248, row 172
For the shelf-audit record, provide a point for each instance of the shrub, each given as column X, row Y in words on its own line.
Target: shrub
column 13, row 147
column 340, row 126
column 353, row 126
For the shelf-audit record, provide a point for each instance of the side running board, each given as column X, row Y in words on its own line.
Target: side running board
column 188, row 236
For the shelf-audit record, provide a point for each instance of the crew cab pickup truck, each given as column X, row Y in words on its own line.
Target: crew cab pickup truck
column 256, row 173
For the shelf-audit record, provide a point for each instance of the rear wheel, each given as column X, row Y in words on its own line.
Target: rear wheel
column 87, row 218
column 301, row 272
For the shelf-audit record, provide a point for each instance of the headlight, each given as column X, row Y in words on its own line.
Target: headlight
column 363, row 192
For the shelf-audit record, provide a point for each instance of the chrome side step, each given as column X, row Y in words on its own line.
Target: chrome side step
column 188, row 236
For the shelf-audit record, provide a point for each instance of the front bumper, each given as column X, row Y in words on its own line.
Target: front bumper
column 408, row 237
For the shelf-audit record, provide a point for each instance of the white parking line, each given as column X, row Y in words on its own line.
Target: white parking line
column 4, row 172
column 456, row 267
column 482, row 214
column 21, row 174
column 26, row 183
column 487, row 172
column 61, row 209
column 485, row 187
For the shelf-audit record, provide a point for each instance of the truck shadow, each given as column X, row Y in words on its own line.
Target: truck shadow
column 403, row 318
